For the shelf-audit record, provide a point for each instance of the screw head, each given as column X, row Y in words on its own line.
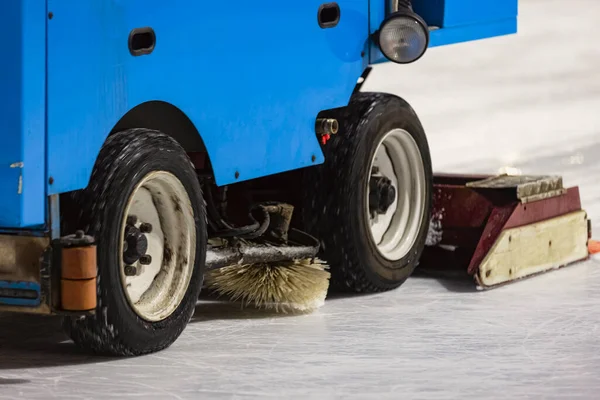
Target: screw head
column 237, row 174
column 313, row 158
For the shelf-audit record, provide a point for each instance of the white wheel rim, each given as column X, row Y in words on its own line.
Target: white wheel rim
column 398, row 158
column 158, row 288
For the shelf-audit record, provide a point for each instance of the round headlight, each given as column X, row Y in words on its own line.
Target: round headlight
column 403, row 37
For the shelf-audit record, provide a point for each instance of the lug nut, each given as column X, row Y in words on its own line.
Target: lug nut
column 130, row 270
column 132, row 220
column 146, row 259
column 146, row 227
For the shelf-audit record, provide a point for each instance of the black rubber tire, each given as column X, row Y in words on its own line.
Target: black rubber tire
column 123, row 162
column 333, row 207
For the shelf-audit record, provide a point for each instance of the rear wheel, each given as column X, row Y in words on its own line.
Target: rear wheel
column 144, row 206
column 370, row 202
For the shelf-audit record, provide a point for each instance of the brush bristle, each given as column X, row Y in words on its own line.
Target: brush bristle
column 294, row 286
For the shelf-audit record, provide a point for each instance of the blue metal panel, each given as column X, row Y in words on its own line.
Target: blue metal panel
column 378, row 12
column 33, row 290
column 252, row 78
column 446, row 36
column 455, row 21
column 22, row 113
column 453, row 13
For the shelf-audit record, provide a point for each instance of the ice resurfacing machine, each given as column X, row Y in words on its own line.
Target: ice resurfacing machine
column 150, row 144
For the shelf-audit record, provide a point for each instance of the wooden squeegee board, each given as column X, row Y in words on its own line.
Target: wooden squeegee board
column 535, row 248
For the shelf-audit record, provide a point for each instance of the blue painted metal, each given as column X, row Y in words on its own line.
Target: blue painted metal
column 22, row 113
column 18, row 301
column 378, row 12
column 252, row 78
column 455, row 21
column 453, row 13
column 459, row 34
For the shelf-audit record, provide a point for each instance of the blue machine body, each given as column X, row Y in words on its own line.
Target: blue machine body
column 251, row 78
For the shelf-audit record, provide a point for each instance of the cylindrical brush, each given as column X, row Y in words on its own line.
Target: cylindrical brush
column 292, row 286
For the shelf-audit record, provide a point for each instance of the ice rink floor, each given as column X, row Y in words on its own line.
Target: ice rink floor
column 529, row 101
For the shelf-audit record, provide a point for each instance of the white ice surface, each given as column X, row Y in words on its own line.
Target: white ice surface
column 530, row 101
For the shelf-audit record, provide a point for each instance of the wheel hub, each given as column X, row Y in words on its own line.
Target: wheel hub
column 396, row 199
column 158, row 245
column 381, row 194
column 136, row 244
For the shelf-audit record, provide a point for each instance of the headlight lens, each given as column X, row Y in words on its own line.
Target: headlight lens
column 403, row 37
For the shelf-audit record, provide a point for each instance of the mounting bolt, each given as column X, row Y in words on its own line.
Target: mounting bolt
column 237, row 174
column 313, row 158
column 146, row 259
column 146, row 227
column 132, row 220
column 130, row 270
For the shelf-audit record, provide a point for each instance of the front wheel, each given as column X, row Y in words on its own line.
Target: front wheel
column 369, row 203
column 145, row 208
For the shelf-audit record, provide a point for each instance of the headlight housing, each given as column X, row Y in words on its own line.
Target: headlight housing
column 403, row 37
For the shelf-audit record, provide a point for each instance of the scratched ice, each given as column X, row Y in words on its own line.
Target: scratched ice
column 528, row 102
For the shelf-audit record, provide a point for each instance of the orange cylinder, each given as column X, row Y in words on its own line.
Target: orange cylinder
column 79, row 262
column 78, row 295
column 78, row 278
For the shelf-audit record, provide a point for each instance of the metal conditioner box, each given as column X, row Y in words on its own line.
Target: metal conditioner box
column 464, row 20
